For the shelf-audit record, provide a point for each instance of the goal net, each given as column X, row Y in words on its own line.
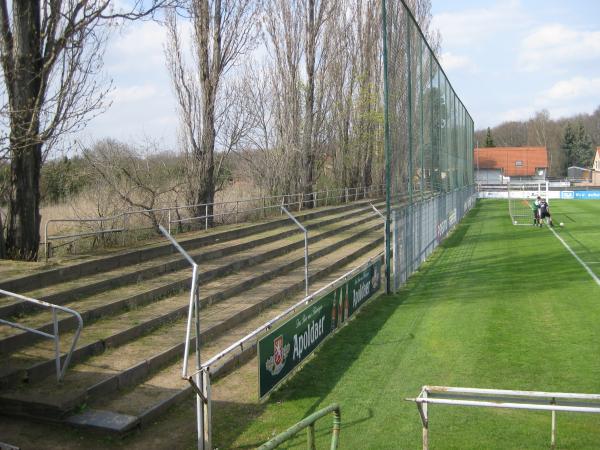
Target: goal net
column 520, row 200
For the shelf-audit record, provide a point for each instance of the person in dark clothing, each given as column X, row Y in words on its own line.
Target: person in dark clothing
column 545, row 213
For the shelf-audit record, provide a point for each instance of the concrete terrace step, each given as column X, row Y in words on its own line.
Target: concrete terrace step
column 155, row 249
column 66, row 291
column 127, row 365
column 36, row 361
column 111, row 302
column 142, row 404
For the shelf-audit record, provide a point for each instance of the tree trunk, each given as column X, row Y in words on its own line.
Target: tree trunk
column 206, row 195
column 2, row 247
column 23, row 83
column 309, row 105
column 23, row 228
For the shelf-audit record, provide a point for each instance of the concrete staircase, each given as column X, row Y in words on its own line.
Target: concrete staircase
column 126, row 368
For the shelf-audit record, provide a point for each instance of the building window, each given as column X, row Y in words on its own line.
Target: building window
column 519, row 163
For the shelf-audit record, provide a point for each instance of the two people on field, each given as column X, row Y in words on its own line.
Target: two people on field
column 541, row 211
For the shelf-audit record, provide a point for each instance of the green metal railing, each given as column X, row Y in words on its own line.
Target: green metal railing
column 309, row 424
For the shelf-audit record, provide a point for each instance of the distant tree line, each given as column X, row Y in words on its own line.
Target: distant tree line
column 571, row 141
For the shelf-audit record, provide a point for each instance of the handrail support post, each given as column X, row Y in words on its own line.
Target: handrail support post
column 56, row 344
column 553, row 436
column 305, row 246
column 60, row 372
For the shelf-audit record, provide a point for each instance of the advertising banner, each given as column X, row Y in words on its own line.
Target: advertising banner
column 567, row 195
column 285, row 347
column 587, row 195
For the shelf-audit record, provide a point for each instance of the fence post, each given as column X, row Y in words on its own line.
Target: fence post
column 124, row 229
column 310, row 437
column 206, row 216
column 46, row 242
column 425, row 420
column 553, row 437
column 206, row 386
column 56, row 344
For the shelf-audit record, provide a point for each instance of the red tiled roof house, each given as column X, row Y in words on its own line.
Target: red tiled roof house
column 498, row 165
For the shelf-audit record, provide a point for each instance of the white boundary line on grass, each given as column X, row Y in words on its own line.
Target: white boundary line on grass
column 585, row 266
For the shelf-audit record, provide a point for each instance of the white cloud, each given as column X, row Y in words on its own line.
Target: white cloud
column 450, row 62
column 575, row 88
column 564, row 98
column 515, row 114
column 142, row 100
column 138, row 47
column 555, row 46
column 134, row 93
column 470, row 26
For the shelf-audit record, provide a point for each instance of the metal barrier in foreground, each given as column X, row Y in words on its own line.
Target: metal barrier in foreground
column 309, row 424
column 60, row 371
column 500, row 398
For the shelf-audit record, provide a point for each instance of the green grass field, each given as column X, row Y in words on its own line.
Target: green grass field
column 496, row 306
column 582, row 229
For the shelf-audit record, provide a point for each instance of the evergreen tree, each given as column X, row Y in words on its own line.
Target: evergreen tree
column 489, row 140
column 568, row 145
column 577, row 146
column 584, row 150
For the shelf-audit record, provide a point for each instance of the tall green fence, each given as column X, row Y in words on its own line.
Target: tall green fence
column 428, row 131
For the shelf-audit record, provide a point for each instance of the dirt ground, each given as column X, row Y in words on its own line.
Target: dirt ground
column 234, row 406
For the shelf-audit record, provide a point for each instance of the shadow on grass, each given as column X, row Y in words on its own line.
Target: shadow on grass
column 232, row 419
column 318, row 377
column 503, row 262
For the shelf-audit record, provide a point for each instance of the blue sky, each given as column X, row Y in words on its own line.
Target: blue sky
column 505, row 58
column 508, row 59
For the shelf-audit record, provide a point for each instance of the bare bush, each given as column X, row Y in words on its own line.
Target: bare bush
column 139, row 176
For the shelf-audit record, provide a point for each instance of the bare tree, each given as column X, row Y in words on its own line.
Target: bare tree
column 368, row 115
column 295, row 39
column 264, row 151
column 283, row 39
column 315, row 12
column 223, row 31
column 355, row 74
column 50, row 53
column 141, row 177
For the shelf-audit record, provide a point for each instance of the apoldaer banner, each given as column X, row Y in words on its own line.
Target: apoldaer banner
column 285, row 347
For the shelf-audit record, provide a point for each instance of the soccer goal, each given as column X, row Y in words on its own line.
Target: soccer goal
column 520, row 200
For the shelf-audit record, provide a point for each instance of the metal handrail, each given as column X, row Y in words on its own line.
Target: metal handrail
column 344, row 193
column 60, row 372
column 305, row 231
column 309, row 423
column 292, row 309
column 194, row 305
column 193, row 311
column 502, row 398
